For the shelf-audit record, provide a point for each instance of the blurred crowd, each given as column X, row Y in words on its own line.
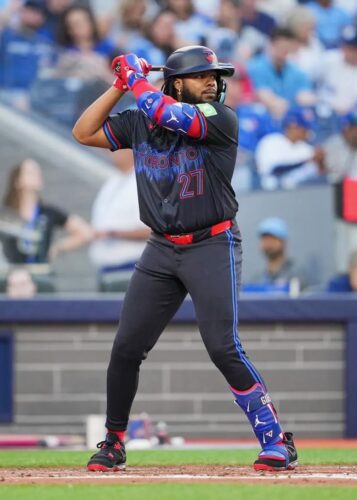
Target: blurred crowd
column 294, row 91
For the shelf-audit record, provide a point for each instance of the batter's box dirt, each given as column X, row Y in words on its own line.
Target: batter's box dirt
column 322, row 475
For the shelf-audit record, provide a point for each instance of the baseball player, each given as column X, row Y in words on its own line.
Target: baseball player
column 184, row 141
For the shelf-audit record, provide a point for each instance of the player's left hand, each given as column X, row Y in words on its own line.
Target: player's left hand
column 129, row 68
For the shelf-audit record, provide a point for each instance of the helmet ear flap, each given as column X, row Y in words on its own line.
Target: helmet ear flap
column 221, row 90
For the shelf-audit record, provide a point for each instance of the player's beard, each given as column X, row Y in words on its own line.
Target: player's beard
column 187, row 96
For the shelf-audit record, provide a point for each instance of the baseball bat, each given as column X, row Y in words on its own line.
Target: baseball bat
column 157, row 68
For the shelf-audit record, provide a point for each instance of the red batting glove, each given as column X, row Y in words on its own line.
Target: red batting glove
column 120, row 85
column 130, row 68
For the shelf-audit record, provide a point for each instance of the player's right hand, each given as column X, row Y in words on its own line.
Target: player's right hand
column 130, row 68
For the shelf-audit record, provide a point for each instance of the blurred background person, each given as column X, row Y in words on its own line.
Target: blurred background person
column 286, row 159
column 278, row 9
column 191, row 25
column 24, row 50
column 280, row 273
column 346, row 282
column 19, row 284
column 278, row 82
column 253, row 16
column 54, row 10
column 119, row 234
column 78, row 34
column 330, row 21
column 341, row 149
column 157, row 39
column 23, row 197
column 337, row 84
column 231, row 39
column 309, row 50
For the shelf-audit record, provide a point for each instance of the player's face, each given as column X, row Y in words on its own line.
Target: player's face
column 199, row 87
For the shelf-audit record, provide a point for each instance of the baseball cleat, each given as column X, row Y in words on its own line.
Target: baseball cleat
column 110, row 458
column 278, row 457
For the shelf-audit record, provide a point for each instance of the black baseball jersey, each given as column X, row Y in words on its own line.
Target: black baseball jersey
column 187, row 186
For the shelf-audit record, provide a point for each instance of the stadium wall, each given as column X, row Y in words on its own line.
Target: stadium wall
column 305, row 348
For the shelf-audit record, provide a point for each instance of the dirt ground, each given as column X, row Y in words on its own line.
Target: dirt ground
column 306, row 475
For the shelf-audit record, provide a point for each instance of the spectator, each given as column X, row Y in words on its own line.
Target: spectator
column 346, row 282
column 158, row 39
column 120, row 235
column 280, row 273
column 341, row 149
column 122, row 20
column 277, row 81
column 84, row 54
column 330, row 21
column 23, row 196
column 309, row 51
column 19, row 284
column 23, row 51
column 338, row 77
column 253, row 16
column 54, row 10
column 231, row 39
column 278, row 9
column 287, row 159
column 191, row 26
column 78, row 31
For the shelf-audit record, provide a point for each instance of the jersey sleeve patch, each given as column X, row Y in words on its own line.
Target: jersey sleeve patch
column 207, row 109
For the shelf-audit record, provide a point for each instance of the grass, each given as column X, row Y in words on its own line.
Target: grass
column 54, row 458
column 175, row 492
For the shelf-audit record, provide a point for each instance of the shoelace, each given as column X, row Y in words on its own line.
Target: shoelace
column 106, row 445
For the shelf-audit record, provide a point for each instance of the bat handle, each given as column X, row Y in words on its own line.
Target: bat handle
column 157, row 68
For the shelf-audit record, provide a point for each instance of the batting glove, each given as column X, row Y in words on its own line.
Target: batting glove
column 129, row 68
column 120, row 85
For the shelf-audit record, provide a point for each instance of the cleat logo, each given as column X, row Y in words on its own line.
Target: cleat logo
column 258, row 422
column 173, row 118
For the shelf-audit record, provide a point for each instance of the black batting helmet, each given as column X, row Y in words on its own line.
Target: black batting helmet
column 194, row 59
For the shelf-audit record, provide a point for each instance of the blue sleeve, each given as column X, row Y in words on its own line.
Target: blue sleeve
column 257, row 73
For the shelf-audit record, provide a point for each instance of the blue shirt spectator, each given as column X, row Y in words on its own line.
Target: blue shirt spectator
column 254, row 123
column 330, row 21
column 21, row 55
column 285, row 82
column 279, row 83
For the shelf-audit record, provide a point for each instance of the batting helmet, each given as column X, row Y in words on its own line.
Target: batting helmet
column 195, row 59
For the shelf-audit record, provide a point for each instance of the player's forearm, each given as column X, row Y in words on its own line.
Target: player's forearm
column 93, row 117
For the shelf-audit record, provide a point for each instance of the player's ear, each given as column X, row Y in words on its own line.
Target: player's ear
column 178, row 84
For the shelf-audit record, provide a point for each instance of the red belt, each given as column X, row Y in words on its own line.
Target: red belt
column 187, row 239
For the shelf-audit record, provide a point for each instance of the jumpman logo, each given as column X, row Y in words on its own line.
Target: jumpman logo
column 258, row 422
column 173, row 118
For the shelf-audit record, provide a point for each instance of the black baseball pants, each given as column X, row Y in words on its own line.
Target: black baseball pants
column 210, row 272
